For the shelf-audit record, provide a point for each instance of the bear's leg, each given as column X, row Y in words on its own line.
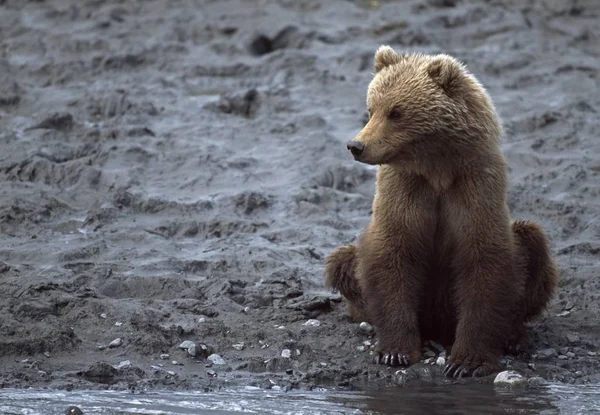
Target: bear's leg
column 487, row 289
column 394, row 293
column 542, row 274
column 340, row 275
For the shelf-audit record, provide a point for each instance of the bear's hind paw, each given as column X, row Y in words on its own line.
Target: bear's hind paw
column 469, row 367
column 393, row 359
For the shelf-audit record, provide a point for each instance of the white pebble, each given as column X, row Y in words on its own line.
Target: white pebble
column 366, row 327
column 118, row 324
column 115, row 343
column 286, row 353
column 192, row 350
column 164, row 356
column 186, row 344
column 201, row 319
column 103, row 315
column 312, row 323
column 238, row 346
column 216, row 359
column 441, row 361
column 509, row 378
column 125, row 364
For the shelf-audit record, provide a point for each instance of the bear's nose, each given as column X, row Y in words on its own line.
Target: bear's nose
column 355, row 147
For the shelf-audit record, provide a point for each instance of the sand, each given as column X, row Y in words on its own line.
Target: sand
column 176, row 170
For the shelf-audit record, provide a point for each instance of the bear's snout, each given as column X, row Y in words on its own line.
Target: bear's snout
column 355, row 147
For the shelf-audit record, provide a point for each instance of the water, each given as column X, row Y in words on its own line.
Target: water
column 442, row 400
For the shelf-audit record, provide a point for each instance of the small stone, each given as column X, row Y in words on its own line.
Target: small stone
column 563, row 313
column 366, row 327
column 246, row 310
column 211, row 373
column 238, row 346
column 361, row 348
column 531, row 366
column 201, row 319
column 73, row 410
column 186, row 344
column 569, row 306
column 156, row 368
column 591, row 354
column 125, row 364
column 176, row 363
column 536, row 381
column 429, row 361
column 441, row 361
column 438, row 347
column 280, row 327
column 312, row 323
column 47, row 354
column 164, row 356
column 289, row 371
column 570, row 355
column 564, row 350
column 546, row 354
column 562, row 357
column 216, row 359
column 171, row 373
column 429, row 353
column 368, row 343
column 115, row 343
column 101, row 347
column 192, row 350
column 573, row 338
column 118, row 324
column 286, row 353
column 298, row 353
column 103, row 315
column 323, row 364
column 509, row 378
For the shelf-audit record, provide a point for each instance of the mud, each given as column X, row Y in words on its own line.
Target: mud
column 176, row 170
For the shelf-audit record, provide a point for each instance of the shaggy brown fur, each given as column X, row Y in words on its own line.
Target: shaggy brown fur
column 441, row 259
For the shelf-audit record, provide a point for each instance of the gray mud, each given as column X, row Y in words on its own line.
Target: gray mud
column 176, row 170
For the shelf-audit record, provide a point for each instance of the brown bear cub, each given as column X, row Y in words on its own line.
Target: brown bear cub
column 440, row 260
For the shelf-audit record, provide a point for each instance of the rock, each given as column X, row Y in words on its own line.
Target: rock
column 286, row 353
column 103, row 315
column 115, row 343
column 186, row 344
column 570, row 355
column 323, row 364
column 546, row 354
column 562, row 357
column 164, row 356
column 100, row 372
column 536, row 381
column 192, row 350
column 289, row 371
column 573, row 338
column 367, row 343
column 563, row 313
column 569, row 305
column 592, row 354
column 216, row 359
column 73, row 410
column 202, row 320
column 441, row 361
column 361, row 348
column 211, row 373
column 563, row 350
column 312, row 323
column 509, row 378
column 118, row 323
column 366, row 327
column 47, row 354
column 429, row 353
column 125, row 364
column 246, row 310
column 57, row 121
column 429, row 361
column 238, row 346
column 171, row 373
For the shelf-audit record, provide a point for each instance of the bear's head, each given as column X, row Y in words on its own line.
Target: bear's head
column 423, row 107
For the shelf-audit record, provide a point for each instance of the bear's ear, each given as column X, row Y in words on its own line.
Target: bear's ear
column 385, row 56
column 446, row 71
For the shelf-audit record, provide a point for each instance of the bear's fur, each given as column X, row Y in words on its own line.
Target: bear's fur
column 440, row 259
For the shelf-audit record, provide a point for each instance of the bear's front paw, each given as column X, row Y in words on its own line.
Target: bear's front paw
column 471, row 365
column 396, row 358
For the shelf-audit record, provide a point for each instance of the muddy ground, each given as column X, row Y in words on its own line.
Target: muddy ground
column 176, row 170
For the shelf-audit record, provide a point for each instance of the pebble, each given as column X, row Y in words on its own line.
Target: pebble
column 312, row 323
column 562, row 357
column 115, row 343
column 246, row 310
column 211, row 373
column 592, row 354
column 569, row 305
column 171, row 373
column 366, row 327
column 164, row 356
column 367, row 343
column 118, row 324
column 125, row 364
column 238, row 346
column 573, row 338
column 509, row 378
column 73, row 410
column 563, row 313
column 192, row 350
column 546, row 354
column 47, row 354
column 289, row 371
column 187, row 344
column 429, row 353
column 564, row 350
column 101, row 347
column 323, row 364
column 216, row 359
column 570, row 355
column 201, row 319
column 361, row 348
column 537, row 381
column 103, row 315
column 429, row 361
column 286, row 353
column 298, row 353
column 441, row 361
column 156, row 368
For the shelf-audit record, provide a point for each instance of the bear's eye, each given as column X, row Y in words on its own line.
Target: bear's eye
column 395, row 114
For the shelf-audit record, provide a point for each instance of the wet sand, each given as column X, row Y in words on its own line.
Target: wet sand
column 176, row 170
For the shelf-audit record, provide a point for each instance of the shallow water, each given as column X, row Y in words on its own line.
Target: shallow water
column 443, row 400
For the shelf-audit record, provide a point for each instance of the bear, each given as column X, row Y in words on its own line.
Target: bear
column 440, row 258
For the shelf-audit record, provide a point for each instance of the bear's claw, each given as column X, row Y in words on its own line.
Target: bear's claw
column 458, row 371
column 392, row 359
